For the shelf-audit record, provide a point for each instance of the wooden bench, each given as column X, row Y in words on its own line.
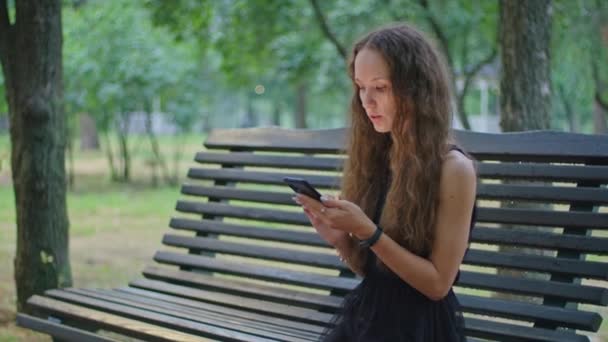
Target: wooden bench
column 241, row 262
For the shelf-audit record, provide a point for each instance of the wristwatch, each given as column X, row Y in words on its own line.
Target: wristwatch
column 367, row 243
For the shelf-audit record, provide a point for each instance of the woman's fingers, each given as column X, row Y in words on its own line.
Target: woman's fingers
column 308, row 203
column 310, row 215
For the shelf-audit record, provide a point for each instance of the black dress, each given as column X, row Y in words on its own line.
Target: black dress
column 383, row 307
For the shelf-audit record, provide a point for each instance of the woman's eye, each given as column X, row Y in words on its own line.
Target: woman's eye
column 381, row 88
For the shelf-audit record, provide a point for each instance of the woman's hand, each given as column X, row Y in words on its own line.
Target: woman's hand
column 338, row 215
column 310, row 206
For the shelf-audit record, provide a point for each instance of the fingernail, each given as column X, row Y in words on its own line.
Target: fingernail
column 295, row 199
column 324, row 198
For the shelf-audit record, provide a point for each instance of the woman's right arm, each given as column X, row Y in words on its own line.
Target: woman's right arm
column 347, row 248
column 349, row 252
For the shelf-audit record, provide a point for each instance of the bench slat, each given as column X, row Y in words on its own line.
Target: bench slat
column 531, row 145
column 498, row 328
column 161, row 319
column 248, row 304
column 281, row 140
column 225, row 192
column 266, row 160
column 544, row 172
column 543, row 194
column 534, row 287
column 510, row 332
column 248, row 289
column 505, row 170
column 285, row 276
column 255, row 318
column 484, row 281
column 255, row 232
column 586, row 269
column 251, row 250
column 132, row 327
column 226, row 210
column 523, row 238
column 518, row 237
column 474, row 326
column 570, row 219
column 575, row 267
column 573, row 318
column 260, row 177
column 474, row 256
column 568, row 318
column 537, row 193
column 60, row 331
column 215, row 317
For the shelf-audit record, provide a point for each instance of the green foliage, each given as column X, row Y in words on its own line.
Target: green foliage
column 204, row 58
column 576, row 45
column 117, row 62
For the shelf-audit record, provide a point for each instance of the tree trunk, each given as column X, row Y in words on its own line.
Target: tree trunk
column 110, row 156
column 276, row 115
column 123, row 144
column 71, row 172
column 525, row 87
column 572, row 123
column 301, row 105
column 251, row 117
column 525, row 84
column 89, row 139
column 159, row 161
column 30, row 51
column 599, row 119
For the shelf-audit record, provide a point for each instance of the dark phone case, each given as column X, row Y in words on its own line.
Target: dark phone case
column 301, row 186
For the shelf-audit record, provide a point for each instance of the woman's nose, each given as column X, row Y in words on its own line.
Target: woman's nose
column 367, row 99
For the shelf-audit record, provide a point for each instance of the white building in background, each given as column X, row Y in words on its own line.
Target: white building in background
column 485, row 119
column 161, row 124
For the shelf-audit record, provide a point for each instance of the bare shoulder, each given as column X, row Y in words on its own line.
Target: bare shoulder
column 457, row 172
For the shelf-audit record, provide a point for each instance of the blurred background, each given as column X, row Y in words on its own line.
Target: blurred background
column 145, row 81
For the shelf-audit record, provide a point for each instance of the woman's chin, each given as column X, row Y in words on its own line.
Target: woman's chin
column 381, row 129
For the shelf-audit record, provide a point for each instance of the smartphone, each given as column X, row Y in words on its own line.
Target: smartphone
column 301, row 186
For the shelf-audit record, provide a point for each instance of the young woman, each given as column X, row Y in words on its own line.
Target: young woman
column 408, row 196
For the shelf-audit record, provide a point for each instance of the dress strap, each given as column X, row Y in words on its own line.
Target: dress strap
column 456, row 148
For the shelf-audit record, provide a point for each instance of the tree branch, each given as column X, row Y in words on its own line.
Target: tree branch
column 325, row 28
column 567, row 107
column 443, row 41
column 595, row 74
column 468, row 76
column 603, row 103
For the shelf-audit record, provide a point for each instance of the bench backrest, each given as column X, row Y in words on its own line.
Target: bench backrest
column 542, row 210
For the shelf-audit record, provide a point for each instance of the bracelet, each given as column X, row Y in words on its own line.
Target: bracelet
column 367, row 243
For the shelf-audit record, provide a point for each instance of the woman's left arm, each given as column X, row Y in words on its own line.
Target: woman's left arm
column 434, row 277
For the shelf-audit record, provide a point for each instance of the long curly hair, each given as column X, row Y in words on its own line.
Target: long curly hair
column 411, row 155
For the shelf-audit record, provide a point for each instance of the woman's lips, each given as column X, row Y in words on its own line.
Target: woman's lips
column 375, row 117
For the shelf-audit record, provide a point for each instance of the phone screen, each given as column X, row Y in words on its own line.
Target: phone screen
column 301, row 186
